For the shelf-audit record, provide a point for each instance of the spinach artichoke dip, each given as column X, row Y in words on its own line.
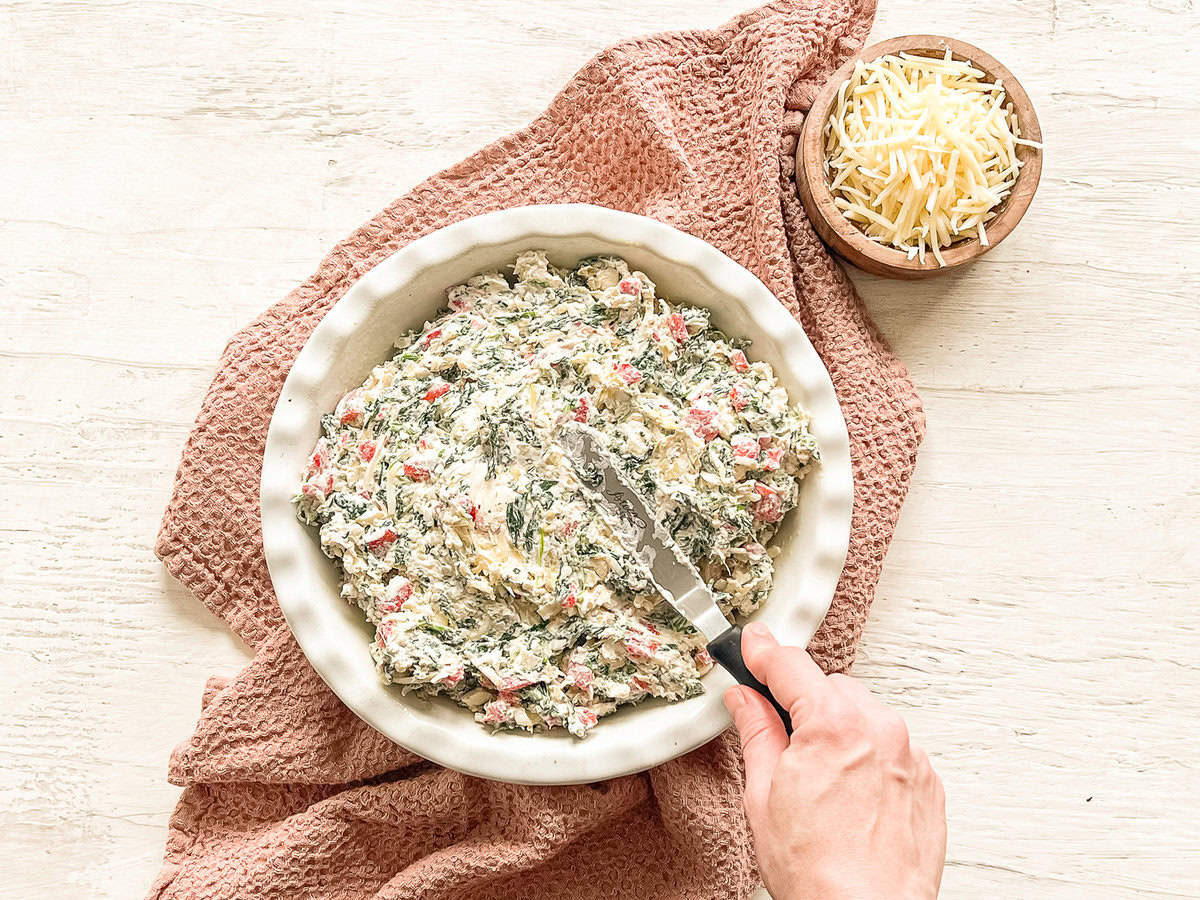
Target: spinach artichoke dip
column 494, row 576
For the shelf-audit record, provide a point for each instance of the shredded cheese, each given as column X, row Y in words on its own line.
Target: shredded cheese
column 920, row 151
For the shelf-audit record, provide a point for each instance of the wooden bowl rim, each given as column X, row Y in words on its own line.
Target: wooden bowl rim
column 848, row 239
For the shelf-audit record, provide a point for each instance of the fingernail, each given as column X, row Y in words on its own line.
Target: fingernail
column 733, row 699
column 757, row 629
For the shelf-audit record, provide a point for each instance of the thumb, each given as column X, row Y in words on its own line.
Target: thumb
column 763, row 740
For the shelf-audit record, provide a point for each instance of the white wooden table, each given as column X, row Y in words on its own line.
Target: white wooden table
column 170, row 168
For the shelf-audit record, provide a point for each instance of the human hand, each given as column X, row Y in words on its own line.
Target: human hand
column 848, row 808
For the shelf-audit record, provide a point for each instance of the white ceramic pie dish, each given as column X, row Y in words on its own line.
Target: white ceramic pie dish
column 400, row 294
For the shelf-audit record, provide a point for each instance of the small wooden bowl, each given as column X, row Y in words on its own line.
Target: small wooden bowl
column 842, row 235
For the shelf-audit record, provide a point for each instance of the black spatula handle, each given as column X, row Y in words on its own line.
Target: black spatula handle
column 727, row 650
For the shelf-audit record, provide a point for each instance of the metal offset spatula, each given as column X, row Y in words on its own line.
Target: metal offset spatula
column 673, row 574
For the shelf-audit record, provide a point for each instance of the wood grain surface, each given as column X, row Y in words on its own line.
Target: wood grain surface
column 170, row 168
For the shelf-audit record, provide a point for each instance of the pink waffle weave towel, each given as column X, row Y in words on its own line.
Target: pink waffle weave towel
column 287, row 793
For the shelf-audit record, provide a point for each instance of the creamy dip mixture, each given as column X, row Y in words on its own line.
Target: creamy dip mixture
column 491, row 574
